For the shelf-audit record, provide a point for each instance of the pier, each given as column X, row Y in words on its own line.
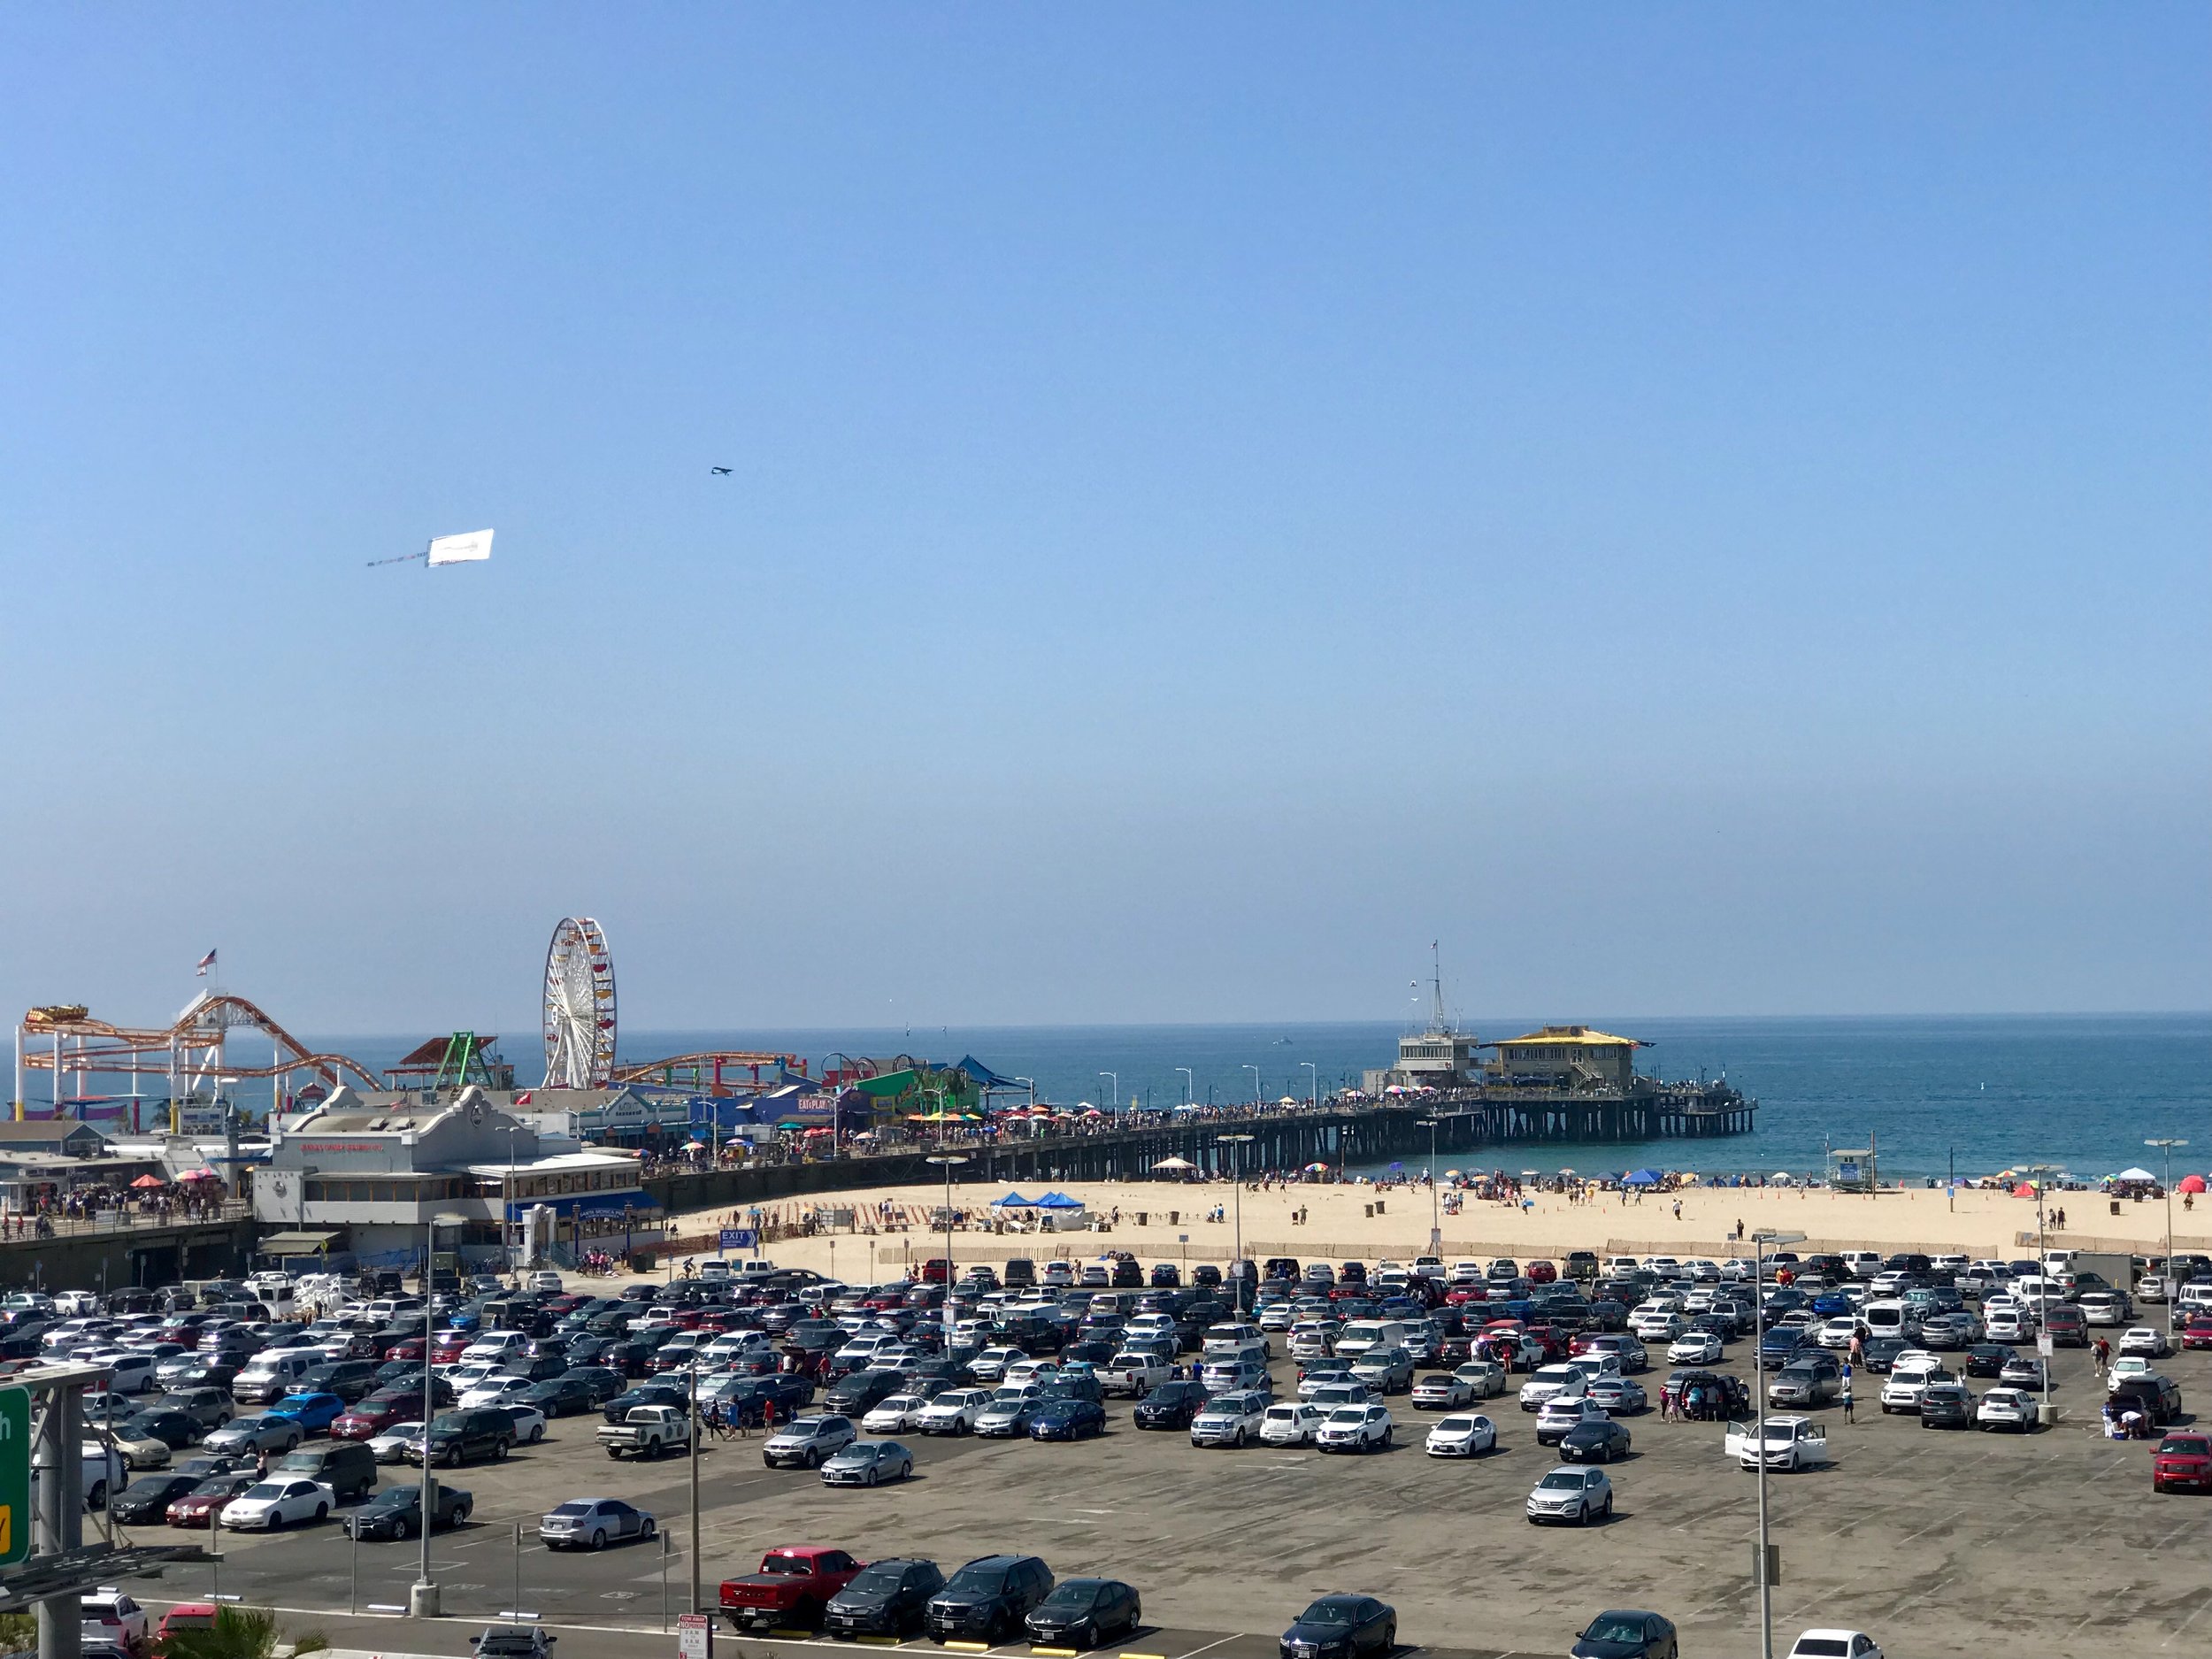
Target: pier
column 1468, row 1122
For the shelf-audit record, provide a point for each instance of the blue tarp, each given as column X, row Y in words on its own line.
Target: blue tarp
column 1641, row 1178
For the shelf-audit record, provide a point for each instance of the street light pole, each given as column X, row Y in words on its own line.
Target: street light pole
column 949, row 1161
column 2044, row 1349
column 1255, row 1070
column 1113, row 1096
column 1190, row 1082
column 694, row 1478
column 1236, row 1145
column 1436, row 1220
column 2168, row 1145
column 422, row 1595
column 1314, row 1081
column 1760, row 1240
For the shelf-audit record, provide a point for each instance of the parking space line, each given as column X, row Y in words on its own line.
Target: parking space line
column 1209, row 1646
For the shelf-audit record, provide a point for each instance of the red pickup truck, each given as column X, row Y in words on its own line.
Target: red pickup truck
column 790, row 1591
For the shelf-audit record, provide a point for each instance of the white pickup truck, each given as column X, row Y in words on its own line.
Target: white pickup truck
column 1791, row 1443
column 648, row 1431
column 1135, row 1375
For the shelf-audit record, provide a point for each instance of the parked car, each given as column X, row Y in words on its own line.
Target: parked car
column 2006, row 1409
column 1291, row 1422
column 1594, row 1442
column 1626, row 1634
column 1083, row 1612
column 146, row 1501
column 1834, row 1644
column 867, row 1464
column 200, row 1505
column 2182, row 1461
column 1462, row 1435
column 791, row 1588
column 270, row 1505
column 1361, row 1428
column 1341, row 1627
column 396, row 1512
column 989, row 1599
column 888, row 1598
column 264, row 1433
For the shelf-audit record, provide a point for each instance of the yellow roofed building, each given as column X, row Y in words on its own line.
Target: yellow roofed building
column 1571, row 1057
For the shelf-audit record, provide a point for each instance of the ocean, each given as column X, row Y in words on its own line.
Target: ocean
column 2079, row 1091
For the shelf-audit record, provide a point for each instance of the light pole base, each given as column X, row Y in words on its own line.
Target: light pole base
column 422, row 1599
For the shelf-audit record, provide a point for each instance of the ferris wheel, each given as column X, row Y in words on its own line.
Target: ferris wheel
column 579, row 1027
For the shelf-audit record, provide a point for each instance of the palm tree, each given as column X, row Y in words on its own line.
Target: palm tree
column 237, row 1632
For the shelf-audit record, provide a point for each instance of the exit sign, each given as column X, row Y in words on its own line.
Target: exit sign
column 15, row 1477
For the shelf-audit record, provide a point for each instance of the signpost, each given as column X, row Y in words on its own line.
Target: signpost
column 15, row 1477
column 737, row 1239
column 695, row 1636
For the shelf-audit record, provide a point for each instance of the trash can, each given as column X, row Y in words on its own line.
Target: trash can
column 640, row 1263
column 2046, row 1416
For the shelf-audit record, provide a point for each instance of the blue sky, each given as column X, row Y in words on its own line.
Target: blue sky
column 1701, row 510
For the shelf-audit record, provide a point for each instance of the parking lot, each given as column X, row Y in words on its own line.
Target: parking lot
column 1934, row 1542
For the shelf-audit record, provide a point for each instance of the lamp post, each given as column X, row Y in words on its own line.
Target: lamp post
column 1190, row 1083
column 950, row 1160
column 1236, row 1145
column 1113, row 1096
column 1761, row 1238
column 1313, row 1081
column 694, row 1438
column 422, row 1595
column 2041, row 1174
column 2168, row 1145
column 1436, row 1222
column 1255, row 1070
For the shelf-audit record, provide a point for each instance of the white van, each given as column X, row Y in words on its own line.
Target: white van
column 1886, row 1318
column 1359, row 1336
column 1862, row 1264
column 271, row 1374
column 1237, row 1341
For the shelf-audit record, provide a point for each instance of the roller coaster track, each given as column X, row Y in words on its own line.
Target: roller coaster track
column 710, row 1061
column 105, row 1047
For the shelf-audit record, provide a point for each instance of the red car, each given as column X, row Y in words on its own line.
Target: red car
column 2182, row 1460
column 410, row 1350
column 2198, row 1331
column 371, row 1417
column 197, row 1507
column 449, row 1347
column 1542, row 1273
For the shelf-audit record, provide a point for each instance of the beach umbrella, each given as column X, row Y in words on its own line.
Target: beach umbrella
column 1174, row 1163
column 1451, row 1175
column 2137, row 1174
column 197, row 1175
column 1316, row 1169
column 1287, row 1099
column 2190, row 1184
column 149, row 1180
column 1566, row 1171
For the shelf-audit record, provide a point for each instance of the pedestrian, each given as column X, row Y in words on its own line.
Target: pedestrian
column 1666, row 1403
column 1847, row 1418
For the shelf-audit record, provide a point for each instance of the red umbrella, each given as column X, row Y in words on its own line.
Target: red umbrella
column 149, row 1180
column 2190, row 1184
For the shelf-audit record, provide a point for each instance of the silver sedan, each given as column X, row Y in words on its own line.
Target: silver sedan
column 868, row 1464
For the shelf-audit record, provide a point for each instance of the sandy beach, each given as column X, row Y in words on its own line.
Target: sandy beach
column 1167, row 1221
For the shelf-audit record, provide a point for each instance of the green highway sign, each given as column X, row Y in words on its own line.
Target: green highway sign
column 15, row 1477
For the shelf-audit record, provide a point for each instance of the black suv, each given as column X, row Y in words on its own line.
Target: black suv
column 890, row 1598
column 461, row 1437
column 1170, row 1406
column 988, row 1599
column 855, row 1395
column 2152, row 1395
column 348, row 1378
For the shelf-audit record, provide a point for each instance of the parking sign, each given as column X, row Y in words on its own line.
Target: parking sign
column 695, row 1636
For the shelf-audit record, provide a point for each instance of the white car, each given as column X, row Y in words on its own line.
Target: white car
column 2130, row 1365
column 275, row 1504
column 901, row 1414
column 990, row 1365
column 1291, row 1422
column 2006, row 1409
column 1662, row 1324
column 529, row 1421
column 1696, row 1347
column 110, row 1615
column 2006, row 1324
column 1572, row 1492
column 1791, row 1443
column 953, row 1412
column 1230, row 1419
column 498, row 1345
column 1032, row 1370
column 1461, row 1435
column 494, row 1391
column 1548, row 1382
column 2145, row 1339
column 1837, row 1333
column 1835, row 1644
column 1366, row 1428
column 391, row 1446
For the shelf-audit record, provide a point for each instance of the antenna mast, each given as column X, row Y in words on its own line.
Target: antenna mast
column 1436, row 982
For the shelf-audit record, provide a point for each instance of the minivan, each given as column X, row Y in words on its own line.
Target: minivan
column 1359, row 1336
column 1885, row 1319
column 1862, row 1264
column 271, row 1374
column 347, row 1467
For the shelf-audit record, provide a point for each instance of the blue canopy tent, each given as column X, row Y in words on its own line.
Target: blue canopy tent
column 1059, row 1201
column 1641, row 1178
column 1013, row 1201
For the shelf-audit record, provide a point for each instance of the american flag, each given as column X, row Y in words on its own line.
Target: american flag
column 206, row 962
